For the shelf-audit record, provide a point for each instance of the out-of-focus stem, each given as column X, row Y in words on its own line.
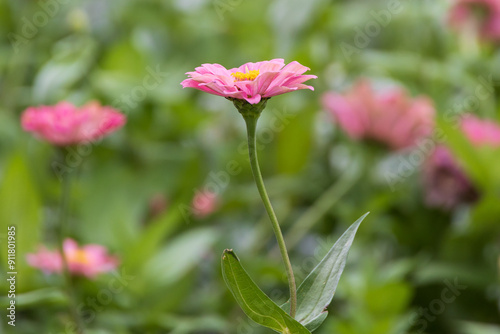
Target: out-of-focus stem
column 63, row 233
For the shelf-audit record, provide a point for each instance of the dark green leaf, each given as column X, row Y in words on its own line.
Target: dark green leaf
column 255, row 303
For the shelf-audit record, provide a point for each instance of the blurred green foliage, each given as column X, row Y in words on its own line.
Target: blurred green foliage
column 133, row 54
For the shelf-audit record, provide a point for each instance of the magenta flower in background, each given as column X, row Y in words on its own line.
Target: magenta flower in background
column 483, row 16
column 446, row 183
column 390, row 117
column 65, row 124
column 89, row 260
column 251, row 81
column 204, row 203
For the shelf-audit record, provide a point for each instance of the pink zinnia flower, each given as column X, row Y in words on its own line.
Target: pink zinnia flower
column 204, row 203
column 251, row 81
column 89, row 260
column 446, row 183
column 481, row 15
column 390, row 117
column 65, row 124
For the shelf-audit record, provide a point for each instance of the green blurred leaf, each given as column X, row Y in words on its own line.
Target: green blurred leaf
column 71, row 62
column 293, row 141
column 465, row 327
column 255, row 303
column 150, row 240
column 37, row 297
column 485, row 213
column 388, row 299
column 20, row 207
column 110, row 187
column 124, row 58
column 186, row 325
column 175, row 260
column 468, row 156
column 317, row 290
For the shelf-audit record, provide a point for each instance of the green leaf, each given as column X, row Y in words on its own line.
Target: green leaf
column 255, row 303
column 317, row 290
column 21, row 207
column 316, row 322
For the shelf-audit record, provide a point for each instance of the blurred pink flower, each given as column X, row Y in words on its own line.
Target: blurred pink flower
column 481, row 15
column 64, row 124
column 446, row 183
column 481, row 132
column 89, row 260
column 204, row 203
column 390, row 117
column 250, row 81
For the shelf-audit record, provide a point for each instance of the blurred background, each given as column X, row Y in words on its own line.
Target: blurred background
column 160, row 194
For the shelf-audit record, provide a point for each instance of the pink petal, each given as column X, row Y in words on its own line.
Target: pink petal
column 295, row 68
column 253, row 99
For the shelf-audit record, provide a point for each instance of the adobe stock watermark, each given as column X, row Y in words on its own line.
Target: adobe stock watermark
column 75, row 155
column 223, row 6
column 364, row 35
column 423, row 316
column 32, row 25
column 88, row 309
column 410, row 163
column 218, row 181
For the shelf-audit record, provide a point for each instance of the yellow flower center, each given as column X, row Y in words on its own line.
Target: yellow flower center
column 78, row 256
column 248, row 75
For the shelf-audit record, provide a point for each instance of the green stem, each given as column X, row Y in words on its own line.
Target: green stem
column 251, row 122
column 63, row 233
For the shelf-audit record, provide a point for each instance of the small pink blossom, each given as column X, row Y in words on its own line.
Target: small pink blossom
column 390, row 117
column 446, row 183
column 89, row 260
column 158, row 204
column 64, row 124
column 481, row 15
column 251, row 81
column 204, row 203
